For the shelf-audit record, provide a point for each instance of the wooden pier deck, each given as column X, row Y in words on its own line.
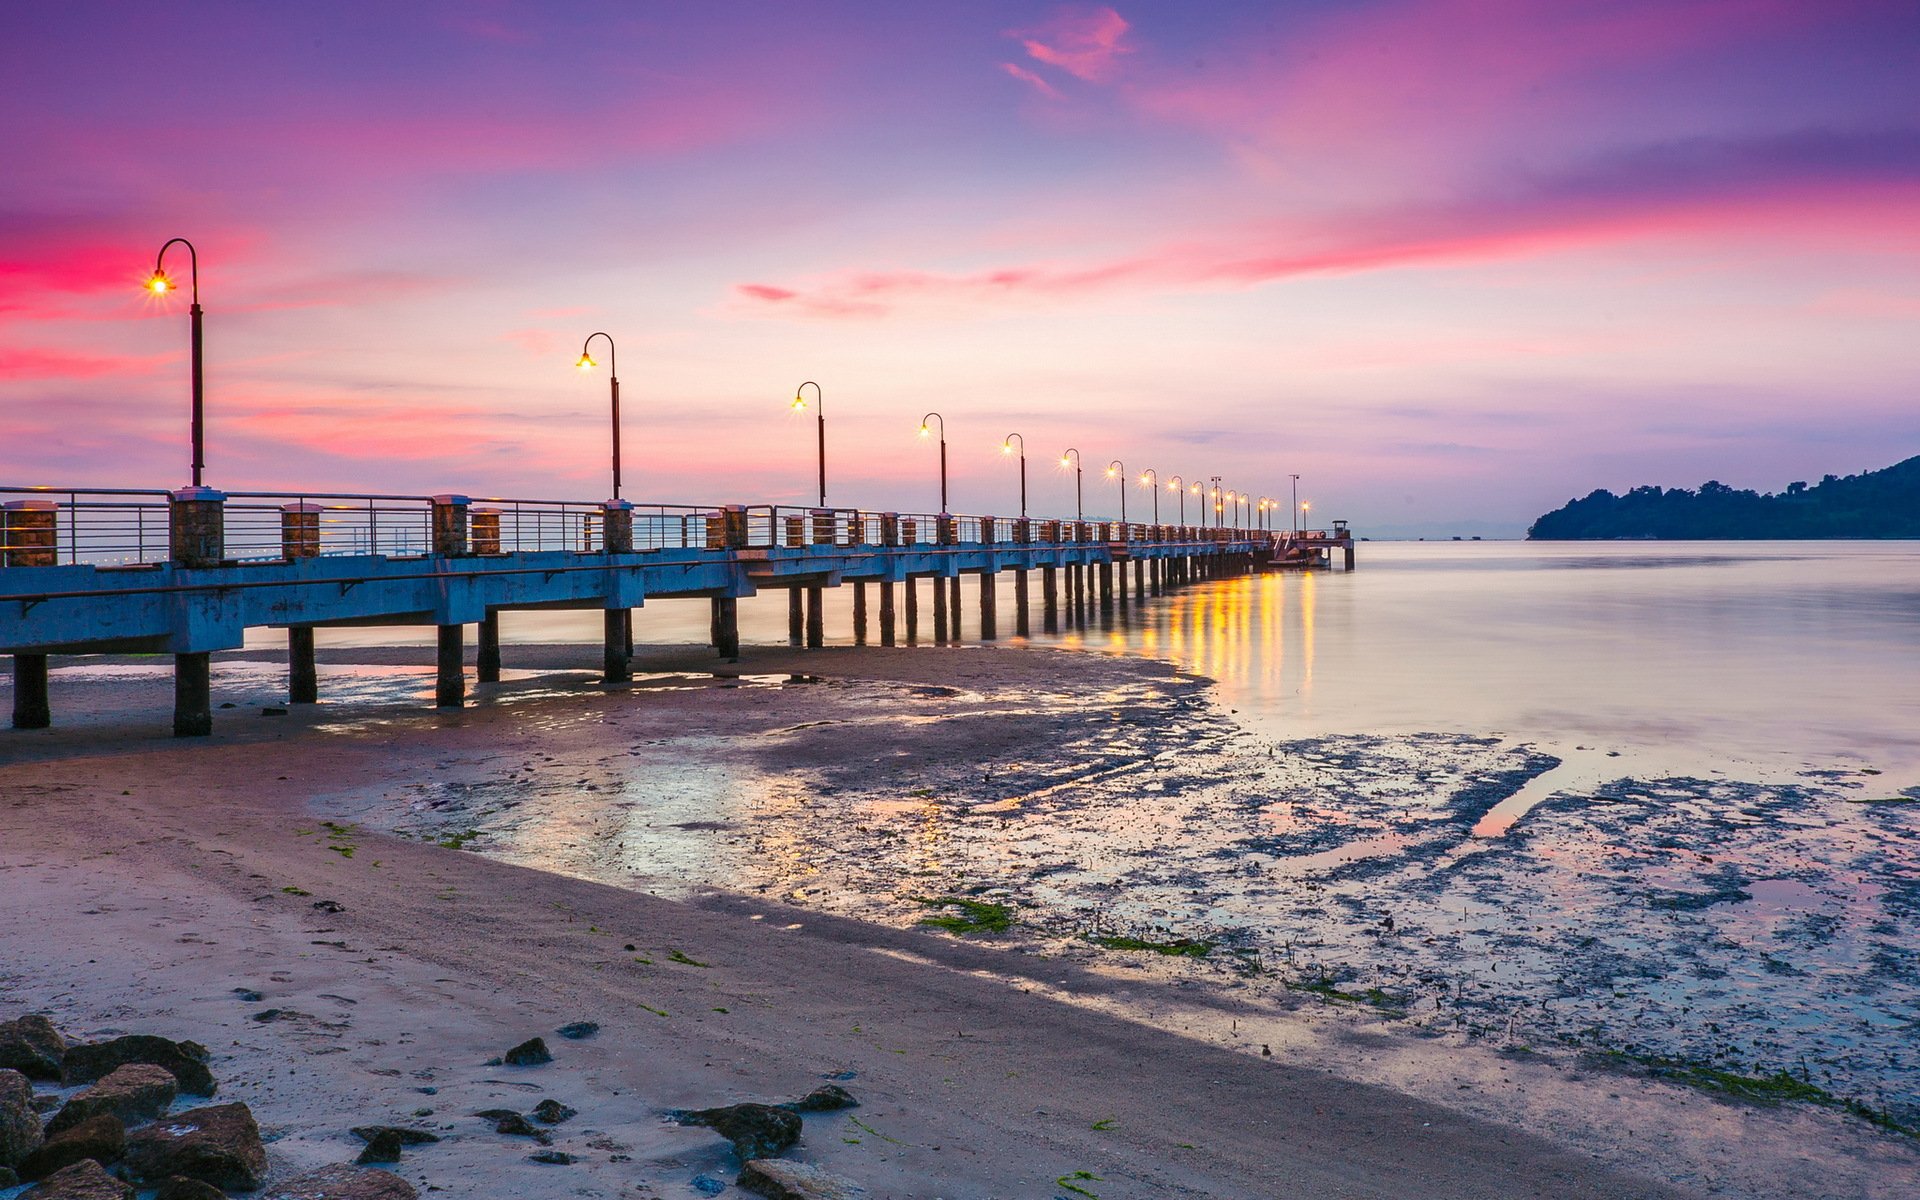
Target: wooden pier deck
column 188, row 572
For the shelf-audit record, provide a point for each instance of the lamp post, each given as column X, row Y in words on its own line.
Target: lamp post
column 1218, row 511
column 1117, row 471
column 1006, row 447
column 1201, row 504
column 586, row 363
column 1304, row 506
column 1151, row 481
column 1177, row 484
column 160, row 284
column 820, row 407
column 934, row 416
column 1296, row 505
column 1072, row 457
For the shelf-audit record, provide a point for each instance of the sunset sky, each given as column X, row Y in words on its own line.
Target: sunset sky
column 1452, row 261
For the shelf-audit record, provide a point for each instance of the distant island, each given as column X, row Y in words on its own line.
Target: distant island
column 1877, row 504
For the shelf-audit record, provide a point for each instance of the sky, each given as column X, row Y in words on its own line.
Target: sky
column 1452, row 262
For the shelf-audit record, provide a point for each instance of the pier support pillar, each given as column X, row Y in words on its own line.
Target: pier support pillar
column 303, row 681
column 989, row 623
column 816, row 620
column 1349, row 558
column 614, row 664
column 488, row 664
column 953, row 608
column 796, row 617
column 450, row 684
column 31, row 709
column 1050, row 599
column 913, row 610
column 939, row 611
column 1139, row 579
column 192, row 695
column 1020, row 603
column 726, row 626
column 859, row 612
column 886, row 613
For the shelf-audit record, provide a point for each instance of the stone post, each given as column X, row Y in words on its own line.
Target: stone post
column 484, row 529
column 450, row 525
column 197, row 527
column 30, row 536
column 299, row 531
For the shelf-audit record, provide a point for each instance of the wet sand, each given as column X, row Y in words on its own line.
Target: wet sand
column 775, row 943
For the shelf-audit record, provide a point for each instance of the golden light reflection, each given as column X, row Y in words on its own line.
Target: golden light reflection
column 1306, row 634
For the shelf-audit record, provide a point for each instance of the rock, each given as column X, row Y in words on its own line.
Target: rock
column 8, row 1178
column 578, row 1030
column 830, row 1098
column 553, row 1112
column 136, row 1093
column 530, row 1053
column 783, row 1179
column 33, row 1047
column 756, row 1130
column 345, row 1183
column 408, row 1137
column 382, row 1147
column 707, row 1185
column 219, row 1144
column 187, row 1060
column 511, row 1123
column 102, row 1138
column 19, row 1119
column 249, row 995
column 84, row 1180
column 556, row 1157
column 179, row 1187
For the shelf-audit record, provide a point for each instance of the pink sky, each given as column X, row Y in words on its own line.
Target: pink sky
column 1452, row 261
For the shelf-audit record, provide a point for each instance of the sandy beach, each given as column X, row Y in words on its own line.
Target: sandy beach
column 145, row 882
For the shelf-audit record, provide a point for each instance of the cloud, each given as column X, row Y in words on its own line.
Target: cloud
column 1087, row 43
column 18, row 364
column 1025, row 76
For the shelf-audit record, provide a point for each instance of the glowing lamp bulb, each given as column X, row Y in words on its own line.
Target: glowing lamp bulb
column 924, row 431
column 1065, row 461
column 586, row 363
column 799, row 403
column 159, row 285
column 1005, row 448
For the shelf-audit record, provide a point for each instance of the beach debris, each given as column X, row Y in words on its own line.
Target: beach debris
column 707, row 1185
column 829, row 1098
column 579, row 1029
column 756, row 1130
column 512, row 1124
column 179, row 1187
column 345, row 1183
column 20, row 1133
column 530, row 1053
column 102, row 1138
column 248, row 995
column 219, row 1144
column 559, row 1158
column 382, row 1147
column 136, row 1093
column 32, row 1046
column 330, row 906
column 783, row 1179
column 187, row 1060
column 407, row 1137
column 84, row 1180
column 553, row 1112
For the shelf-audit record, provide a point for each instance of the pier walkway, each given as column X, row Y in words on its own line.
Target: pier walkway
column 188, row 572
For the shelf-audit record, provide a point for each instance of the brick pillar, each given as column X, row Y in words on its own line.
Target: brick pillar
column 483, row 530
column 450, row 525
column 299, row 531
column 196, row 527
column 30, row 535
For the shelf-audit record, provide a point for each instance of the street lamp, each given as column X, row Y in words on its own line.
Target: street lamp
column 1201, row 504
column 1151, row 481
column 1006, row 447
column 820, row 406
column 924, row 431
column 1218, row 521
column 586, row 363
column 1072, row 458
column 160, row 284
column 1177, row 484
column 1304, row 506
column 1296, row 504
column 1117, row 471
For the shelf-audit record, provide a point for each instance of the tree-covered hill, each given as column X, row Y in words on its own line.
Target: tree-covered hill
column 1878, row 504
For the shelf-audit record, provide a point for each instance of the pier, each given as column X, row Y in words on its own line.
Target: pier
column 188, row 572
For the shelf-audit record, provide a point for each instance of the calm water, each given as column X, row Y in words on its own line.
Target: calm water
column 1755, row 658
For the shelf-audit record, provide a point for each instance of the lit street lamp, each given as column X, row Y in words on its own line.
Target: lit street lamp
column 586, row 363
column 1072, row 458
column 1006, row 447
column 1177, row 484
column 924, row 431
column 160, row 284
column 1296, row 505
column 1117, row 471
column 1151, row 482
column 820, row 407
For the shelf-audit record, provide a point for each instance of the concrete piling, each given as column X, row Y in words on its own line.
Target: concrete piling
column 886, row 613
column 303, row 679
column 816, row 620
column 859, row 612
column 489, row 648
column 989, row 624
column 953, row 608
column 192, row 695
column 913, row 610
column 614, row 664
column 796, row 617
column 31, row 707
column 1020, row 604
column 1050, row 599
column 939, row 611
column 450, row 680
column 726, row 626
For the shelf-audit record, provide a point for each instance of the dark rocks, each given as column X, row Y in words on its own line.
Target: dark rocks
column 330, row 906
column 102, row 1138
column 556, row 1157
column 781, row 1179
column 19, row 1119
column 248, row 995
column 136, row 1093
column 84, row 1180
column 187, row 1060
column 382, row 1147
column 8, row 1178
column 408, row 1137
column 578, row 1030
column 219, row 1144
column 530, row 1053
column 553, row 1112
column 511, row 1123
column 756, row 1130
column 830, row 1098
column 33, row 1047
column 179, row 1187
column 345, row 1183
